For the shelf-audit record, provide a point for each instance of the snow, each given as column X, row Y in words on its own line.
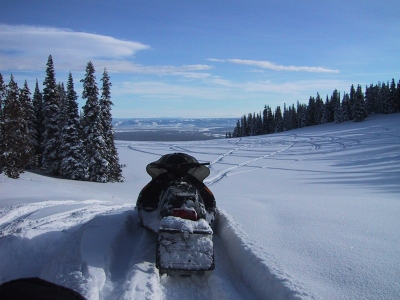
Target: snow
column 182, row 225
column 311, row 213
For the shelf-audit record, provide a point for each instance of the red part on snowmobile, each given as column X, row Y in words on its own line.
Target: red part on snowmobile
column 184, row 213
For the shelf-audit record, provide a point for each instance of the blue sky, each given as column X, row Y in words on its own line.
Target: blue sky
column 204, row 58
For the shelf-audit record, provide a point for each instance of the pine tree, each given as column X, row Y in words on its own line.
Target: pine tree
column 352, row 99
column 265, row 120
column 271, row 121
column 286, row 118
column 294, row 117
column 319, row 107
column 72, row 158
column 114, row 172
column 345, row 108
column 384, row 99
column 311, row 112
column 377, row 98
column 359, row 111
column 301, row 115
column 243, row 126
column 398, row 97
column 259, row 124
column 2, row 98
column 392, row 103
column 369, row 98
column 37, row 108
column 29, row 120
column 237, row 131
column 250, row 123
column 338, row 113
column 93, row 141
column 324, row 117
column 278, row 120
column 16, row 150
column 51, row 114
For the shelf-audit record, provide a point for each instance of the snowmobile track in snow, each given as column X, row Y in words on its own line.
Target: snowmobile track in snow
column 106, row 254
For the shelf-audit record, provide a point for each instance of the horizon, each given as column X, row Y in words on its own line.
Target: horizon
column 203, row 59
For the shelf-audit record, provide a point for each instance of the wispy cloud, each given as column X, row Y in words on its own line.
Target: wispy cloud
column 23, row 47
column 26, row 48
column 189, row 71
column 263, row 64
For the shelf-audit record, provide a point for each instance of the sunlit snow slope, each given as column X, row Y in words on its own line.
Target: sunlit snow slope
column 311, row 213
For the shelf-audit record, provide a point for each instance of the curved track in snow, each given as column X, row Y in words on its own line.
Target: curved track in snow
column 101, row 251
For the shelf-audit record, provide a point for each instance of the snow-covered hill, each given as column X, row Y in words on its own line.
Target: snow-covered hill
column 311, row 213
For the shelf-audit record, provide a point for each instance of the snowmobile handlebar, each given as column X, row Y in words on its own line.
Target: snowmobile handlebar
column 184, row 165
column 179, row 170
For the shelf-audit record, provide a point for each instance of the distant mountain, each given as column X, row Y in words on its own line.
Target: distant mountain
column 172, row 129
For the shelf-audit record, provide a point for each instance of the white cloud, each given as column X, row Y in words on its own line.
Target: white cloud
column 23, row 39
column 26, row 48
column 191, row 71
column 272, row 66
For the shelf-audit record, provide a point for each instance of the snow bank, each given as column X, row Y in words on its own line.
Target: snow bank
column 253, row 270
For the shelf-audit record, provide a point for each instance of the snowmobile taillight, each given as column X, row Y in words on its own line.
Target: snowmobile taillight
column 184, row 213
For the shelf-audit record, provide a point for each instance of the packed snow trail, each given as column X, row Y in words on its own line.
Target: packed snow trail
column 102, row 251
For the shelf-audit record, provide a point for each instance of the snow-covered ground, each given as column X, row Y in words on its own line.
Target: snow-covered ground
column 312, row 213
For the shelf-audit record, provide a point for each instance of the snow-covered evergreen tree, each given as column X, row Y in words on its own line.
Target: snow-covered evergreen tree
column 237, row 131
column 72, row 157
column 16, row 151
column 51, row 114
column 286, row 118
column 271, row 120
column 338, row 114
column 311, row 112
column 319, row 109
column 259, row 124
column 37, row 102
column 265, row 120
column 95, row 147
column 114, row 172
column 294, row 117
column 278, row 120
column 2, row 98
column 301, row 115
column 398, row 97
column 243, row 126
column 29, row 119
column 392, row 97
column 369, row 98
column 324, row 117
column 352, row 100
column 345, row 108
column 359, row 112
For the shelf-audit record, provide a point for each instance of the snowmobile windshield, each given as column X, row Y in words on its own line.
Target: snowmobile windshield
column 163, row 165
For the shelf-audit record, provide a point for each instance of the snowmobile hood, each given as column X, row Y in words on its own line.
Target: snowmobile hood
column 199, row 172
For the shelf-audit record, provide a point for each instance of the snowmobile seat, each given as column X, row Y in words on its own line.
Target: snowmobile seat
column 161, row 177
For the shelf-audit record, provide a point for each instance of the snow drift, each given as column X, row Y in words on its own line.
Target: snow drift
column 305, row 214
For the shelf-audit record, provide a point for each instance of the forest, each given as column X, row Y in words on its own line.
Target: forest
column 354, row 105
column 48, row 134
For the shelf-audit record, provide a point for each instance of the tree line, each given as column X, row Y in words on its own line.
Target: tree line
column 355, row 105
column 47, row 132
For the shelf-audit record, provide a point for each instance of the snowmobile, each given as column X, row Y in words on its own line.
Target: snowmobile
column 178, row 206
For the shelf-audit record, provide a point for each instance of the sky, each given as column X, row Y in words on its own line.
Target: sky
column 199, row 59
